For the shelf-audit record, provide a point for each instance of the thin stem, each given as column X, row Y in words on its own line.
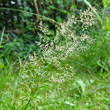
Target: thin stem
column 18, row 10
column 37, row 10
column 2, row 36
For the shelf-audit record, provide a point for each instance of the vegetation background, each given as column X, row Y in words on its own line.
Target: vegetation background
column 54, row 54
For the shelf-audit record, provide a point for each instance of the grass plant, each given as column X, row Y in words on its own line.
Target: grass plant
column 45, row 91
column 71, row 73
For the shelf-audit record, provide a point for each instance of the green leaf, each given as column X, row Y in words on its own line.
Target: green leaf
column 2, row 66
column 59, row 19
column 51, row 7
column 45, row 11
column 106, row 2
column 1, row 46
column 75, row 6
column 82, row 85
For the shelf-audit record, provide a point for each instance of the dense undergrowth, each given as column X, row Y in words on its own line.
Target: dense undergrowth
column 36, row 90
column 69, row 69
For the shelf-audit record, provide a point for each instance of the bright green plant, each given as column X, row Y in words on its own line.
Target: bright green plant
column 106, row 3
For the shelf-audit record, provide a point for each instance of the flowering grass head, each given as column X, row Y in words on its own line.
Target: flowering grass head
column 72, row 35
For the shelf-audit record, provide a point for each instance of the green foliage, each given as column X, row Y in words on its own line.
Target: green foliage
column 106, row 3
column 96, row 58
column 70, row 67
column 34, row 89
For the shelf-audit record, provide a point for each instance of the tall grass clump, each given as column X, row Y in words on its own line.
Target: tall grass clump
column 52, row 80
column 79, row 46
column 72, row 38
column 60, row 53
column 79, row 41
column 43, row 77
column 61, row 58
